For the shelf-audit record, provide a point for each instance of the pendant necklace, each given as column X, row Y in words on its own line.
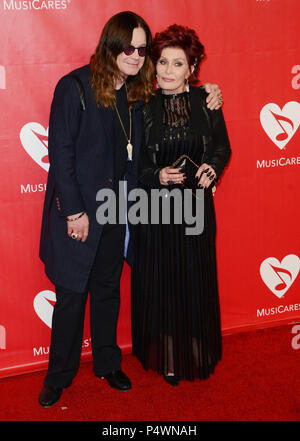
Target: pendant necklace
column 129, row 145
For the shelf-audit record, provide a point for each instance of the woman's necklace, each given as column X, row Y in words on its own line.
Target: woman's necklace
column 129, row 145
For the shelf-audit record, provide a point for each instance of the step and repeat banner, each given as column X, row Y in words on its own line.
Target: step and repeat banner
column 253, row 54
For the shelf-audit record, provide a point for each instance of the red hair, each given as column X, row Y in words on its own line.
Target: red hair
column 180, row 37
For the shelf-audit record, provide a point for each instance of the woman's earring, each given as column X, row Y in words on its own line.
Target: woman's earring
column 187, row 87
column 157, row 85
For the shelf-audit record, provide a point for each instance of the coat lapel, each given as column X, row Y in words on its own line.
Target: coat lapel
column 106, row 121
column 137, row 127
column 156, row 108
column 199, row 113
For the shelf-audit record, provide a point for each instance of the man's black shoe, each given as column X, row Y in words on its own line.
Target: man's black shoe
column 49, row 396
column 118, row 380
column 172, row 380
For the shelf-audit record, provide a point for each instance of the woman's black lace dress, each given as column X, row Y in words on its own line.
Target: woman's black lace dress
column 175, row 305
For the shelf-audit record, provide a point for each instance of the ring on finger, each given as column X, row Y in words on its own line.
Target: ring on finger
column 74, row 235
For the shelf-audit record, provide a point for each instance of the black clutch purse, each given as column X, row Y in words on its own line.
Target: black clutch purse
column 187, row 166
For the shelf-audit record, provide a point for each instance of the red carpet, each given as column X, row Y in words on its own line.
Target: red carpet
column 257, row 380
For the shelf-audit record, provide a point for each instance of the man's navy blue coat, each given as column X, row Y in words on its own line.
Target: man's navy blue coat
column 81, row 155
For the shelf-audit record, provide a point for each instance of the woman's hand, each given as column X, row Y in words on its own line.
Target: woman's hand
column 214, row 99
column 170, row 176
column 205, row 174
column 78, row 229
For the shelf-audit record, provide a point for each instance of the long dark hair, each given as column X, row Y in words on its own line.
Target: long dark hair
column 115, row 37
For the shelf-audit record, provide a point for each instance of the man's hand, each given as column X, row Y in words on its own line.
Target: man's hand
column 78, row 229
column 214, row 99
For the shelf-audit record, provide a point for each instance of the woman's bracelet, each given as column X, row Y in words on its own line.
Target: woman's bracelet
column 75, row 218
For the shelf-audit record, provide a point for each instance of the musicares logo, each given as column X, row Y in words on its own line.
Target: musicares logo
column 279, row 276
column 34, row 138
column 35, row 5
column 280, row 124
column 43, row 305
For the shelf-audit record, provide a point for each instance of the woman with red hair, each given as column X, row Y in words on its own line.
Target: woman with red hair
column 175, row 307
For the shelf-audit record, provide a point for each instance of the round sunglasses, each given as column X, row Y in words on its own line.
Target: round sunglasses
column 130, row 49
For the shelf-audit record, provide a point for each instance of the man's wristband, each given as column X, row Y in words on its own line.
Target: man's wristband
column 72, row 219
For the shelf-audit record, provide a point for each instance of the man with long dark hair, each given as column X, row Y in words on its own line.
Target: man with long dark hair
column 94, row 138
